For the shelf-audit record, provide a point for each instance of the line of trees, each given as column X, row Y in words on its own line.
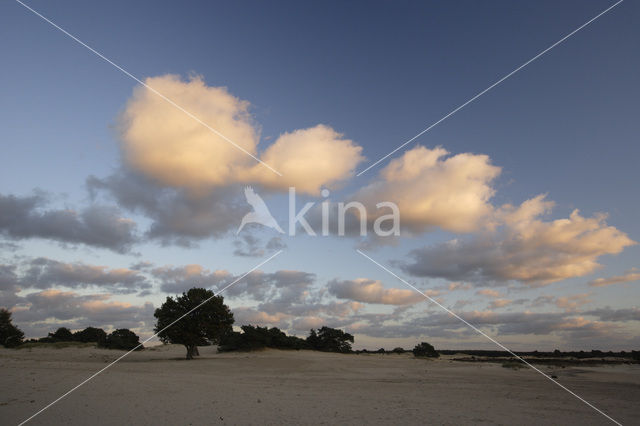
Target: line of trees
column 121, row 338
column 11, row 336
column 198, row 318
column 325, row 339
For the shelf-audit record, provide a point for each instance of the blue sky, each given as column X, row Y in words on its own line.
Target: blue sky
column 377, row 73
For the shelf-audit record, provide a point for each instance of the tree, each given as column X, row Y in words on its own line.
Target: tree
column 424, row 349
column 123, row 338
column 10, row 335
column 207, row 324
column 329, row 339
column 91, row 334
column 62, row 334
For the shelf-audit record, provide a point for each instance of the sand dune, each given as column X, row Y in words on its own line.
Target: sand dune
column 157, row 386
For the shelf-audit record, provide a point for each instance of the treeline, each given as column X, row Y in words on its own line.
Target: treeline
column 542, row 354
column 121, row 338
column 325, row 339
column 421, row 350
column 12, row 337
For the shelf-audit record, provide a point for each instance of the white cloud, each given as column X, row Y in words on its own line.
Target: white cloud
column 166, row 144
column 309, row 159
column 172, row 148
column 433, row 191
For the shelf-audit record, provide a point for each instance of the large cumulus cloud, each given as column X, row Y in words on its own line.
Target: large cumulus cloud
column 167, row 144
column 525, row 248
column 433, row 189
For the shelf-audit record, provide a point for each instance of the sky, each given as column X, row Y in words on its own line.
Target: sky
column 517, row 213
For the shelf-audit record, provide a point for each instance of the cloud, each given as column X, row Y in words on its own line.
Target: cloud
column 489, row 292
column 9, row 286
column 45, row 273
column 500, row 303
column 524, row 248
column 164, row 143
column 177, row 216
column 250, row 246
column 96, row 225
column 372, row 291
column 42, row 312
column 573, row 302
column 170, row 147
column 251, row 316
column 430, row 190
column 281, row 289
column 610, row 314
column 309, row 159
column 178, row 279
column 629, row 276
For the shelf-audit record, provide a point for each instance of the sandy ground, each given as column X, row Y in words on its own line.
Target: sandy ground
column 287, row 387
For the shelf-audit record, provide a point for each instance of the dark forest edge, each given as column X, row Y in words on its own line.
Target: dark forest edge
column 204, row 320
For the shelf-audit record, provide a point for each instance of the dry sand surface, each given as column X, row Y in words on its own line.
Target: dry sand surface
column 157, row 386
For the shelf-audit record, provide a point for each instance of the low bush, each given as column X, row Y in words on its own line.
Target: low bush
column 425, row 350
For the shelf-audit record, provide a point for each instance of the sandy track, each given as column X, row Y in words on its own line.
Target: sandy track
column 289, row 387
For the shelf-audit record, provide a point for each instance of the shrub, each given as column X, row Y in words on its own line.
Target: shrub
column 91, row 334
column 123, row 339
column 425, row 350
column 62, row 334
column 512, row 364
column 10, row 335
column 329, row 339
column 254, row 337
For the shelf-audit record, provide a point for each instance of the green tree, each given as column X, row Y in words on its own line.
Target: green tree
column 424, row 349
column 10, row 335
column 207, row 324
column 124, row 339
column 329, row 339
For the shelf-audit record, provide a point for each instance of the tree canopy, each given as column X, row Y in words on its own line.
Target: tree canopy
column 124, row 339
column 253, row 338
column 424, row 349
column 62, row 334
column 10, row 335
column 329, row 339
column 205, row 325
column 91, row 334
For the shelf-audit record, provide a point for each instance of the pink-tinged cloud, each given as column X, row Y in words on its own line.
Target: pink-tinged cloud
column 372, row 291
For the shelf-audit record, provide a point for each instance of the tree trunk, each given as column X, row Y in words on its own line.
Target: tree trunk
column 196, row 352
column 190, row 351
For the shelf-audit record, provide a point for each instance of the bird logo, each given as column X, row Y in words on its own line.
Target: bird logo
column 260, row 213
